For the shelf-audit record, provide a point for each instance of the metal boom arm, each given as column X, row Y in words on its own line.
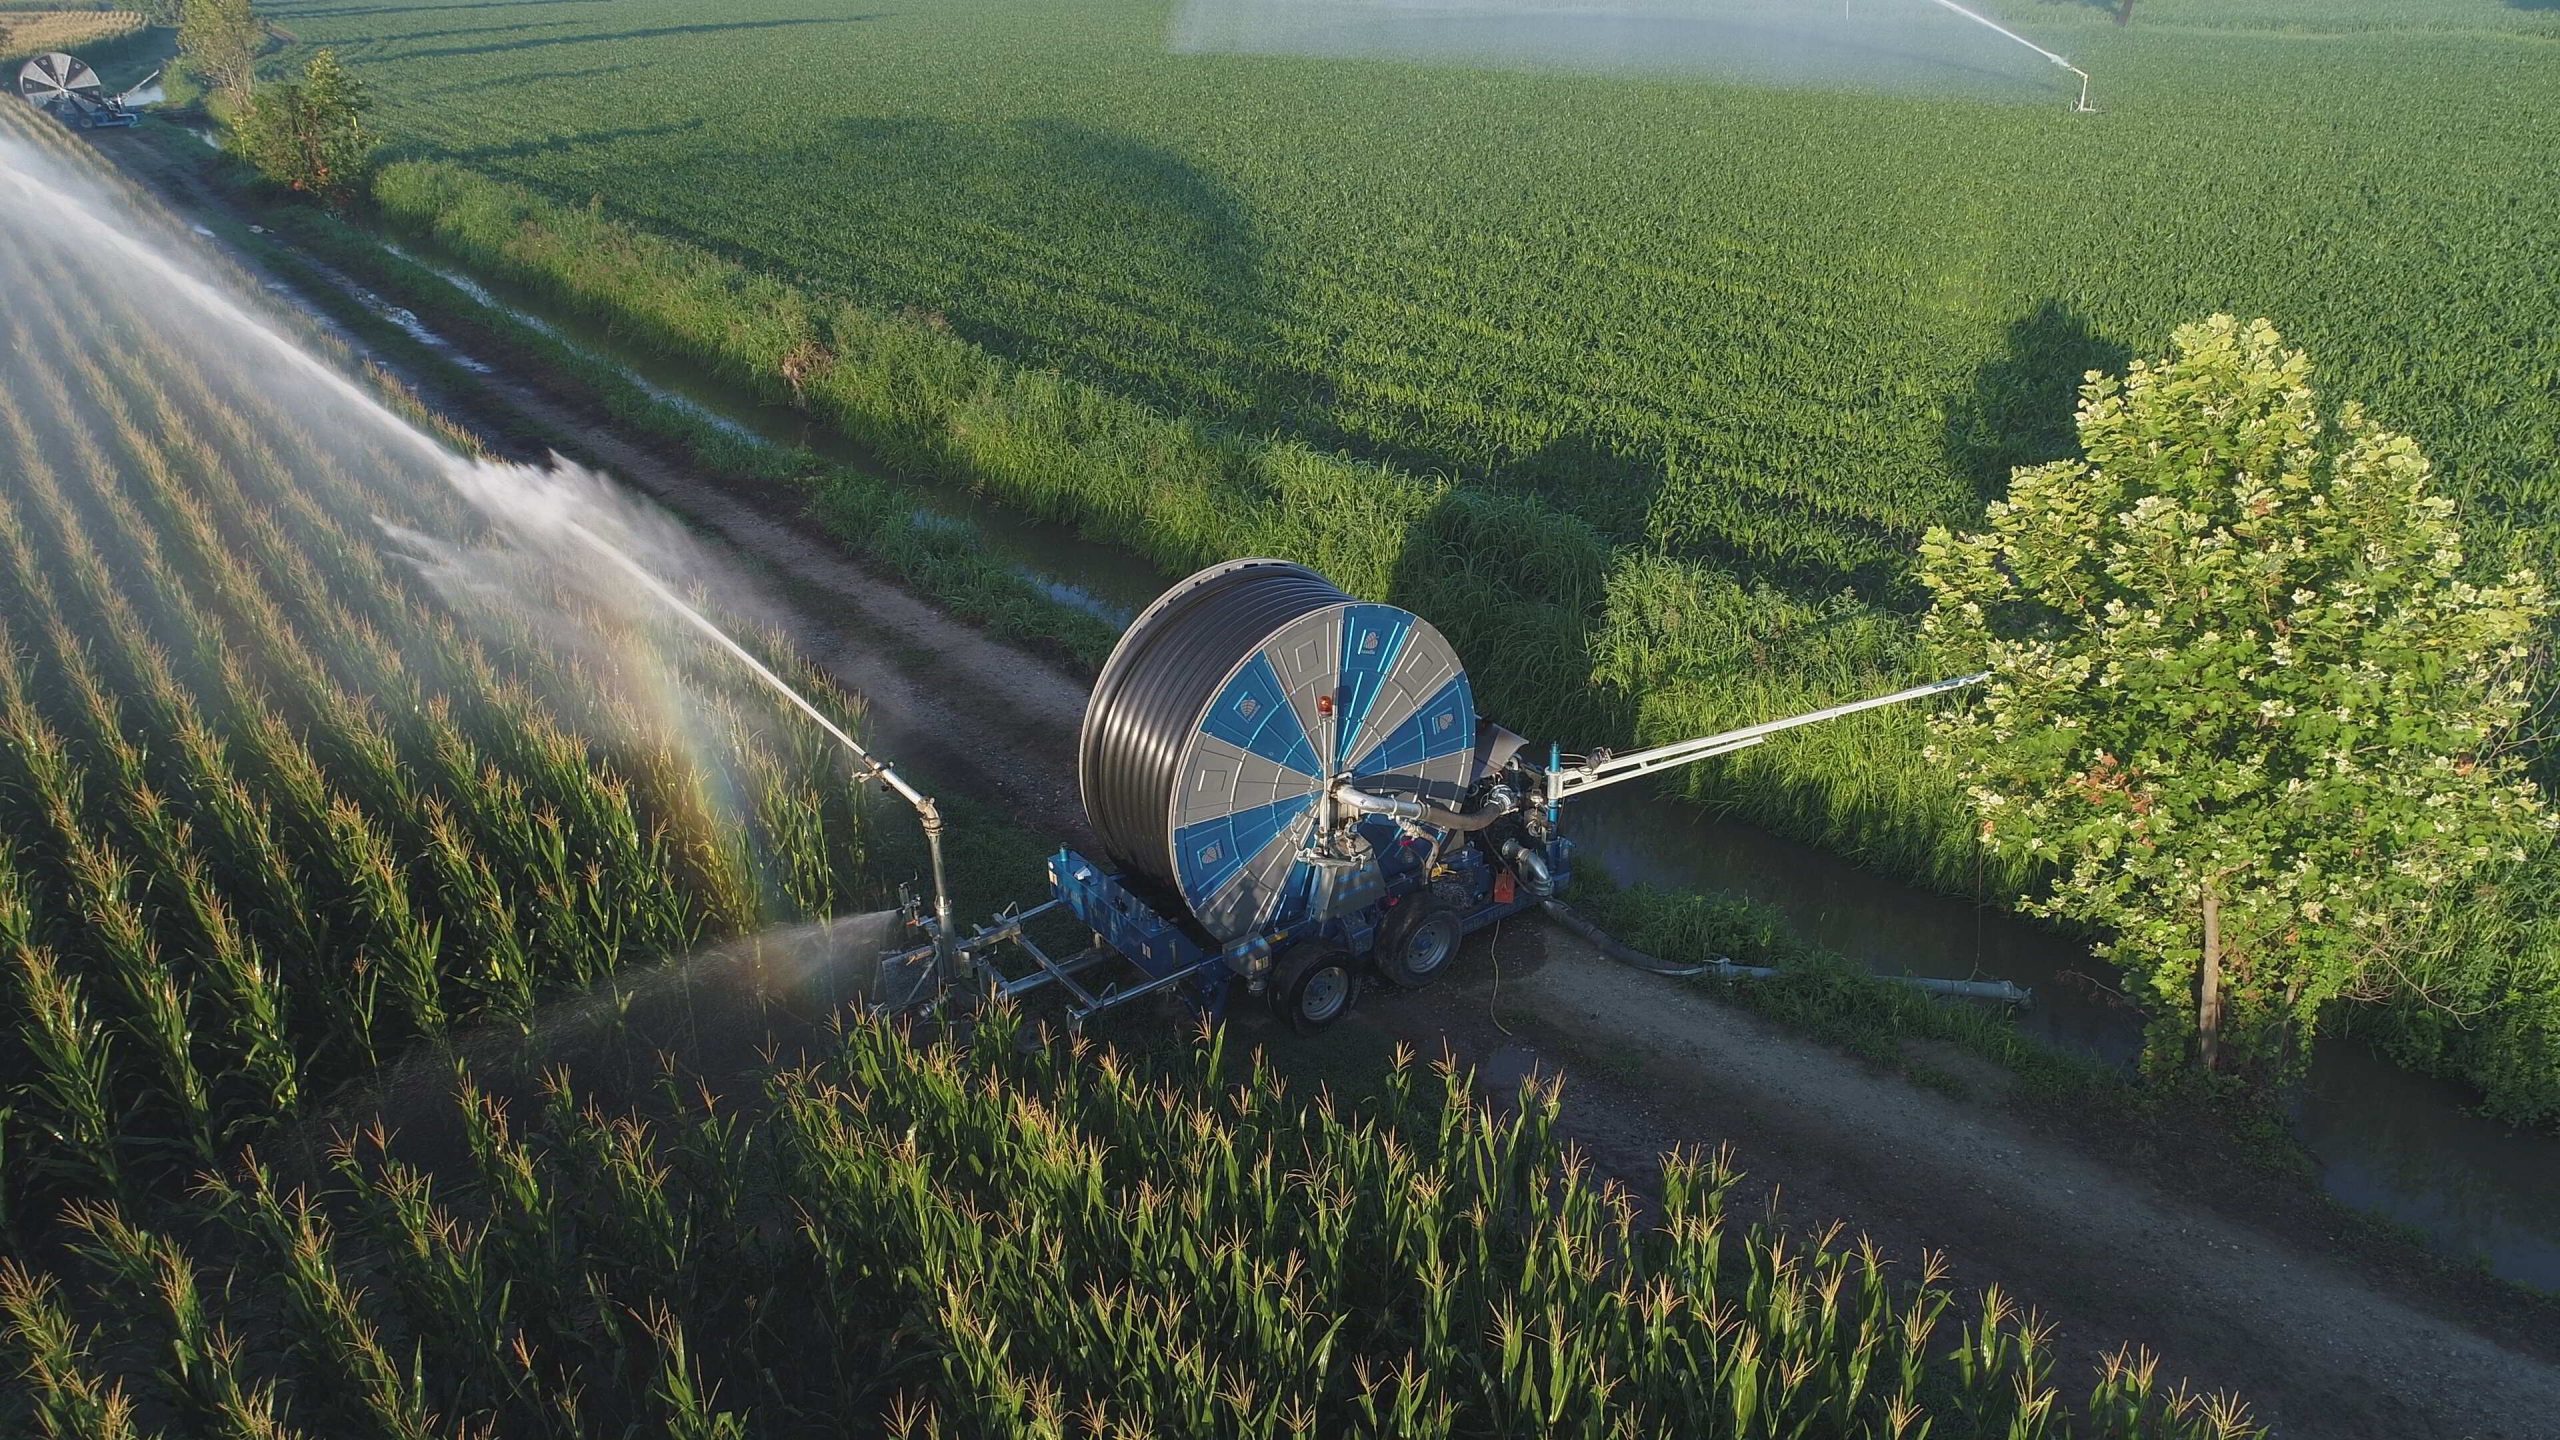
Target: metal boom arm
column 1563, row 781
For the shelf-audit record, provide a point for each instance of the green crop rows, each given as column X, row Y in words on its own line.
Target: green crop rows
column 272, row 813
column 1007, row 1239
column 1779, row 330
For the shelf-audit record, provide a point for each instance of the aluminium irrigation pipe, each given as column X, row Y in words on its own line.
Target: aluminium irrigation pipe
column 1999, row 991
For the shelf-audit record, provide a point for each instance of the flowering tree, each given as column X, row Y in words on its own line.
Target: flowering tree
column 2247, row 706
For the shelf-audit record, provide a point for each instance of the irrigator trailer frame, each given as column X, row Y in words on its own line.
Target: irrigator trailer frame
column 64, row 87
column 1292, row 790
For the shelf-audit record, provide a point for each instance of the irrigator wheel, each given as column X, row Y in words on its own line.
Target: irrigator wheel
column 1205, row 745
column 1312, row 986
column 1420, row 938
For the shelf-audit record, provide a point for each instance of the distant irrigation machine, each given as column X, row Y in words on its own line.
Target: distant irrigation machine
column 64, row 87
column 1293, row 794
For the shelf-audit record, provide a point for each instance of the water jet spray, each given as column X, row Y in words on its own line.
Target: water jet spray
column 2082, row 106
column 458, row 471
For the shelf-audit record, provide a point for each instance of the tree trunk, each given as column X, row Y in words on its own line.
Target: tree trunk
column 2209, row 985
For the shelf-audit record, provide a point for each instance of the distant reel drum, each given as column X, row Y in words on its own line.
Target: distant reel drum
column 55, row 81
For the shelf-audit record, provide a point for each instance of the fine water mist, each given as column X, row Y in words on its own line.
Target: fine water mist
column 1873, row 45
column 553, row 555
column 714, row 1025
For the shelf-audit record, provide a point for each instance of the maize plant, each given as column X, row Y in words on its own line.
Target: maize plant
column 1010, row 1234
column 273, row 809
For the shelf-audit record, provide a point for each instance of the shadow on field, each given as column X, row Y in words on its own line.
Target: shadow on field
column 544, row 144
column 1519, row 589
column 294, row 12
column 1576, row 472
column 609, row 37
column 520, row 81
column 1055, row 243
column 711, row 1028
column 2024, row 400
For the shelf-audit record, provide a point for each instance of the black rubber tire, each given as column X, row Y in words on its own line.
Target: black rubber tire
column 1420, row 938
column 1312, row 986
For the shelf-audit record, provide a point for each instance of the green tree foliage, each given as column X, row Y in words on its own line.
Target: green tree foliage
column 2245, row 693
column 218, row 43
column 310, row 135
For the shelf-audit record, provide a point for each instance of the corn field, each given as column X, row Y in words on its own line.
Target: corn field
column 32, row 32
column 271, row 811
column 284, row 826
column 1006, row 1238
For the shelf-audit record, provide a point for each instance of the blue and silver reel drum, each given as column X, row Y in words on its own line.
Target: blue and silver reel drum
column 1231, row 706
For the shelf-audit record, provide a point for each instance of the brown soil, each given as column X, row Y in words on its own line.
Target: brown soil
column 2235, row 1282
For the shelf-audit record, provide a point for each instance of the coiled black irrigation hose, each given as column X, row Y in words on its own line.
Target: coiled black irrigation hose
column 1148, row 702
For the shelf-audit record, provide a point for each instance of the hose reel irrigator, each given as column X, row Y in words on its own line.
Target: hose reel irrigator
column 1293, row 792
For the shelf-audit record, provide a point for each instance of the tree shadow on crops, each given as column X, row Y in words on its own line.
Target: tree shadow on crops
column 293, row 12
column 545, row 144
column 1048, row 241
column 2024, row 401
column 1577, row 472
column 608, row 37
column 1520, row 590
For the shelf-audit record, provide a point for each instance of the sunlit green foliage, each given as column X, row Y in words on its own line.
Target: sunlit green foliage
column 309, row 134
column 2245, row 699
column 218, row 45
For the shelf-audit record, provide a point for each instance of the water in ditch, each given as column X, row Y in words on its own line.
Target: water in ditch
column 2390, row 1143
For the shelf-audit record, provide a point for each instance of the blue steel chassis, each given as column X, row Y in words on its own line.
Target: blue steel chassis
column 1129, row 934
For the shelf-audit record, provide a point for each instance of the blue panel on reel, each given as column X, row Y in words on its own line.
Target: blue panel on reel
column 1252, row 713
column 1443, row 726
column 1372, row 642
column 1213, row 852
